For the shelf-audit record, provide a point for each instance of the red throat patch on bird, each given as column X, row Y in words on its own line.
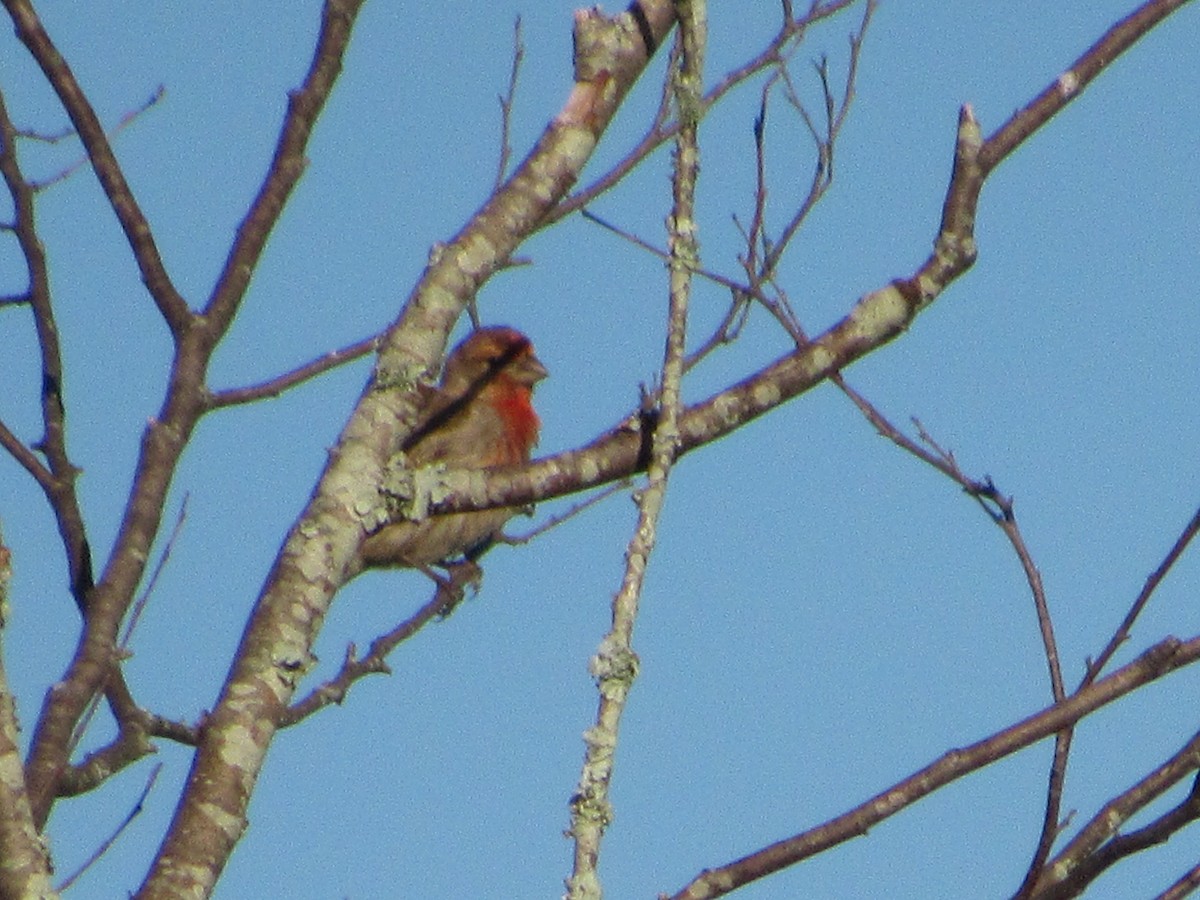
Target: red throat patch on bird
column 513, row 402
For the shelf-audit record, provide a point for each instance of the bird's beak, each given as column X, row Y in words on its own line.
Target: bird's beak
column 532, row 370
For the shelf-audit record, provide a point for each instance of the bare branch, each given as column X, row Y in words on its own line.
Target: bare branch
column 93, row 666
column 506, row 105
column 571, row 512
column 280, row 383
column 1098, row 846
column 58, row 484
column 615, row 665
column 112, row 838
column 303, row 109
column 26, row 458
column 124, row 122
column 100, row 765
column 445, row 598
column 1163, row 658
column 835, row 118
column 1071, row 83
column 714, row 277
column 137, row 230
column 1152, row 582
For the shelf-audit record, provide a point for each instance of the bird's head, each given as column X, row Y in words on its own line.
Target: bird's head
column 497, row 354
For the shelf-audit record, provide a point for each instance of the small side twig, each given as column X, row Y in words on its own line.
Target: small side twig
column 709, row 275
column 1152, row 582
column 275, row 386
column 140, row 604
column 112, row 839
column 506, row 105
column 573, row 510
column 448, row 594
column 124, row 122
column 1000, row 510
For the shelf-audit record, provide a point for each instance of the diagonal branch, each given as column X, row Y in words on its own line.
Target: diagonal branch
column 1160, row 660
column 58, row 480
column 1097, row 846
column 133, row 222
column 288, row 164
column 1071, row 83
column 1152, row 582
column 273, row 387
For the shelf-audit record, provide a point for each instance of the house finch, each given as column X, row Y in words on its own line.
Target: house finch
column 480, row 415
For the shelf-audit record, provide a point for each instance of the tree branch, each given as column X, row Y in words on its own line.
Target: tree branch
column 273, row 387
column 615, row 664
column 26, row 863
column 1097, row 846
column 1071, row 83
column 1163, row 658
column 170, row 304
column 1152, row 582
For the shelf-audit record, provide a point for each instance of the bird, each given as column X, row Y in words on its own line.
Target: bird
column 479, row 415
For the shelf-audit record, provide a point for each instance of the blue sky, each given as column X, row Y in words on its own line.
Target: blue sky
column 823, row 614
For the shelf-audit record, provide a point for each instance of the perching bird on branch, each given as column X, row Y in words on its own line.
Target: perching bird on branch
column 480, row 415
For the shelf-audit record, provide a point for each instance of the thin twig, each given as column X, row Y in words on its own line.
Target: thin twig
column 506, row 105
column 138, row 233
column 275, row 386
column 1152, row 582
column 1000, row 510
column 124, row 122
column 27, row 459
column 573, row 510
column 111, row 839
column 665, row 256
column 824, row 139
column 140, row 604
column 447, row 595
